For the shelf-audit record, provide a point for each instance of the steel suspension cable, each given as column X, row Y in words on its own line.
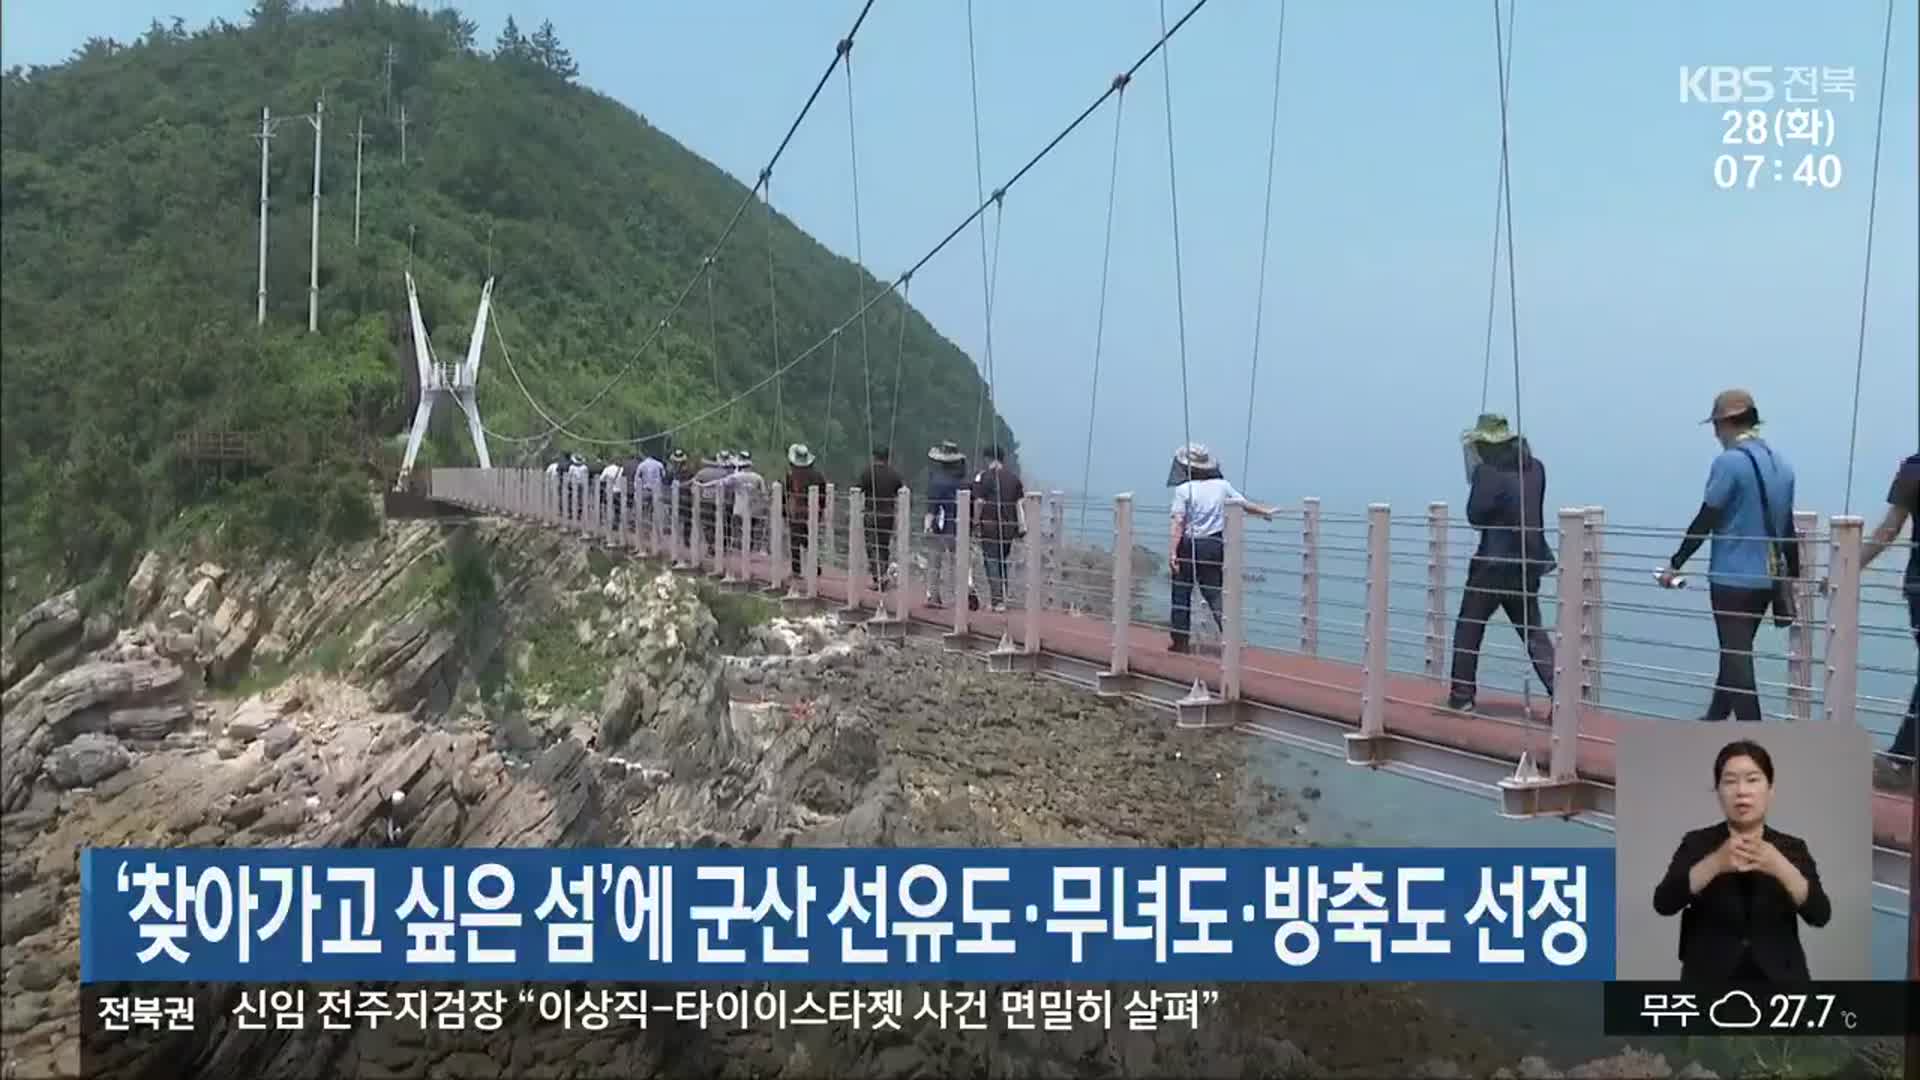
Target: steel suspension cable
column 899, row 355
column 951, row 234
column 833, row 377
column 738, row 211
column 1513, row 319
column 773, row 316
column 1100, row 318
column 1266, row 237
column 992, row 289
column 713, row 329
column 1499, row 214
column 859, row 248
column 1866, row 274
column 979, row 194
column 1173, row 199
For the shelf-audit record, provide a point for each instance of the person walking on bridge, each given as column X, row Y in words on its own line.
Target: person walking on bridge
column 649, row 476
column 946, row 475
column 1196, row 545
column 1903, row 505
column 749, row 500
column 1748, row 511
column 1506, row 501
column 610, row 494
column 999, row 518
column 577, row 477
column 680, row 471
column 880, row 482
column 801, row 475
column 709, row 479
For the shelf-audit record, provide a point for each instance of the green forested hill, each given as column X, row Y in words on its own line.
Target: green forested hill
column 128, row 223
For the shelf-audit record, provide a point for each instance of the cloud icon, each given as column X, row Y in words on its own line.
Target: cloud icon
column 1733, row 1016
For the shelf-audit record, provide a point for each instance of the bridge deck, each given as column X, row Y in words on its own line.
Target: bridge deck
column 1331, row 688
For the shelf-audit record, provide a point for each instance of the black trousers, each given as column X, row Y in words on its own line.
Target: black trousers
column 797, row 535
column 1903, row 739
column 1492, row 588
column 1736, row 621
column 993, row 558
column 879, row 550
column 1200, row 561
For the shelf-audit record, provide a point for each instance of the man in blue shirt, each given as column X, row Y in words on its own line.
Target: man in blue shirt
column 1748, row 510
column 1903, row 505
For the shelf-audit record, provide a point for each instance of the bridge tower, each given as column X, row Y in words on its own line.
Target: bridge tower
column 453, row 381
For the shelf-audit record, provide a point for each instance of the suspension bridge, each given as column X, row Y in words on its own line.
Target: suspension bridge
column 1369, row 688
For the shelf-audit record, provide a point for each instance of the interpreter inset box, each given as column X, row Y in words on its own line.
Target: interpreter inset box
column 1743, row 852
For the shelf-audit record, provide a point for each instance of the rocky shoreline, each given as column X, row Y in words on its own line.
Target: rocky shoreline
column 514, row 688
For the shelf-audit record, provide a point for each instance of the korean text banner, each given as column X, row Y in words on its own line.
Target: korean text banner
column 982, row 914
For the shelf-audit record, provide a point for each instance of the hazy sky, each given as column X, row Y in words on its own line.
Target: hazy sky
column 1643, row 289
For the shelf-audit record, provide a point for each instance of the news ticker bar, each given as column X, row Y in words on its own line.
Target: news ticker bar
column 1864, row 1008
column 1631, row 1009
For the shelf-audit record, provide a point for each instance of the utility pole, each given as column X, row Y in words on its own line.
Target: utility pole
column 313, row 264
column 359, row 138
column 265, row 135
column 403, row 135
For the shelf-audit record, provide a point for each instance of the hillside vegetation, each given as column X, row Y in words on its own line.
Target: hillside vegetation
column 129, row 184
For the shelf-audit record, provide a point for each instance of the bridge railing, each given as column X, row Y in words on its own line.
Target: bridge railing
column 1309, row 597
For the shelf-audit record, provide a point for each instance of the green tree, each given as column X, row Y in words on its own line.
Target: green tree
column 551, row 55
column 511, row 45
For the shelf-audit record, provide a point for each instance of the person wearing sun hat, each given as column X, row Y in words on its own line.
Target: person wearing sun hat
column 1748, row 511
column 946, row 475
column 1506, row 501
column 801, row 475
column 1197, row 548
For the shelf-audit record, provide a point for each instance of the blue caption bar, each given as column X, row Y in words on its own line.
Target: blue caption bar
column 905, row 914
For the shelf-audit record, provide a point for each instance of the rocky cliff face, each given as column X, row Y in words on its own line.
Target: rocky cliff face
column 490, row 685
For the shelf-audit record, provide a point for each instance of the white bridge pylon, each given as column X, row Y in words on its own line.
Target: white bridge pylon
column 439, row 380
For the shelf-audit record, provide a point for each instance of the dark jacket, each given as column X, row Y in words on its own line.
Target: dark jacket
column 1495, row 506
column 943, row 490
column 799, row 479
column 1740, row 914
column 879, row 483
column 996, row 495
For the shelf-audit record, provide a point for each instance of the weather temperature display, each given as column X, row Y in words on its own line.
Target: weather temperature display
column 1826, row 1008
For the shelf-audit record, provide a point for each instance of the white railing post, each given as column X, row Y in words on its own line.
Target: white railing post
column 1031, row 644
column 1593, row 627
column 1568, row 657
column 856, row 547
column 1234, row 581
column 697, row 558
column 962, row 557
column 744, row 530
column 1436, row 589
column 1059, row 589
column 1310, row 576
column 1843, row 619
column 1373, row 695
column 778, row 567
column 810, row 557
column 1122, row 614
column 903, row 553
column 1806, row 525
column 823, row 543
column 674, row 556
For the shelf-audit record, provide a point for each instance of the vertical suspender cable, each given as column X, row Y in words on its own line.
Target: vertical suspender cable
column 713, row 328
column 1173, row 198
column 773, row 312
column 1100, row 319
column 859, row 249
column 980, row 193
column 899, row 355
column 1513, row 320
column 1866, row 275
column 1266, row 236
column 833, row 377
column 1499, row 193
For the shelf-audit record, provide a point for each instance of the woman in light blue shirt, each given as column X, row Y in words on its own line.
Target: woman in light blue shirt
column 1196, row 546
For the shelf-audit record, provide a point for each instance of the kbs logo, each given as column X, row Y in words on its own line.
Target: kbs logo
column 1725, row 84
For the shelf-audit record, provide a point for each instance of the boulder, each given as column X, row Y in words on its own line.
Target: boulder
column 77, row 700
column 143, row 588
column 279, row 739
column 38, row 634
column 86, row 761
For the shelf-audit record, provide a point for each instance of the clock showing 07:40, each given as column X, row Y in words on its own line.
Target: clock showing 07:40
column 1748, row 171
